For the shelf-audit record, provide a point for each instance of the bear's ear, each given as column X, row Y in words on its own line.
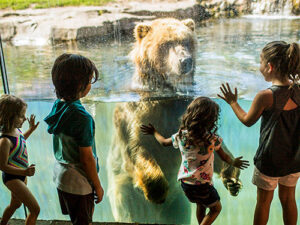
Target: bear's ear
column 141, row 31
column 189, row 23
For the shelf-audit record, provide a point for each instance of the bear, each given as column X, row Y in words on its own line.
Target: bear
column 142, row 175
column 164, row 55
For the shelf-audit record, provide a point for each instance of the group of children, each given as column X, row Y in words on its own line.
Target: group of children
column 73, row 130
column 277, row 160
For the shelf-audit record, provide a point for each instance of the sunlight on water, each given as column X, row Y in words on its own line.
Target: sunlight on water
column 228, row 51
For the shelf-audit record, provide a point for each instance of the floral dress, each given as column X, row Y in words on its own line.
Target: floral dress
column 197, row 163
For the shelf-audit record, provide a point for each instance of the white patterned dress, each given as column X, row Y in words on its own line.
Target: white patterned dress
column 197, row 163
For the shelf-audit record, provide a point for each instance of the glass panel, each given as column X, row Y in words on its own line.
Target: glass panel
column 228, row 50
column 1, row 90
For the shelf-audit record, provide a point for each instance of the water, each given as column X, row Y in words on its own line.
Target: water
column 227, row 51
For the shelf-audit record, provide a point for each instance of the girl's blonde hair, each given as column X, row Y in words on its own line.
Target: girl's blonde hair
column 200, row 121
column 10, row 108
column 284, row 57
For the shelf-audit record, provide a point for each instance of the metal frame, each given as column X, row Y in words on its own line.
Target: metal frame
column 3, row 69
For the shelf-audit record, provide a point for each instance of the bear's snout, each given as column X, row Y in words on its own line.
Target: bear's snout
column 186, row 65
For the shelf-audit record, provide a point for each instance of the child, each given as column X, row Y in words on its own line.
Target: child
column 277, row 159
column 73, row 129
column 197, row 140
column 14, row 159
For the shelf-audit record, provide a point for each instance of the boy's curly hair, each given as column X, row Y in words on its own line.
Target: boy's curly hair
column 71, row 73
column 10, row 108
column 200, row 121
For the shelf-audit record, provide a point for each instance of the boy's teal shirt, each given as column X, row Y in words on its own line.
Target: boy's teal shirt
column 72, row 127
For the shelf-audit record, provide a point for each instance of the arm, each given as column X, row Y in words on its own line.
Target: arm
column 263, row 100
column 152, row 131
column 32, row 126
column 237, row 162
column 162, row 140
column 5, row 167
column 89, row 166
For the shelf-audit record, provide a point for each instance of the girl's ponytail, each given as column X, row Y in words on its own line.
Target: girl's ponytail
column 285, row 59
column 293, row 61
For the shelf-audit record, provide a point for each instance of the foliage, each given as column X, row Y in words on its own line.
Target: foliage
column 23, row 4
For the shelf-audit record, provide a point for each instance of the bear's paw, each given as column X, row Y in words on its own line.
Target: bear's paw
column 233, row 185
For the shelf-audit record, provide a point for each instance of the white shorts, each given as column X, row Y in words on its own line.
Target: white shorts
column 270, row 183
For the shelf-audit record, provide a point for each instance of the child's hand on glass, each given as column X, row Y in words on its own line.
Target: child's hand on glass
column 148, row 129
column 32, row 124
column 228, row 96
column 239, row 163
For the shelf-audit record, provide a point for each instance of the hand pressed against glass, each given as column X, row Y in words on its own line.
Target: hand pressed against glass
column 31, row 121
column 263, row 100
column 229, row 97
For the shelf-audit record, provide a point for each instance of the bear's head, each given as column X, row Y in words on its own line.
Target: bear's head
column 164, row 54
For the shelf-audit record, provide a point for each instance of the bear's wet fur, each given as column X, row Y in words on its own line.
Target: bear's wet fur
column 164, row 54
column 142, row 175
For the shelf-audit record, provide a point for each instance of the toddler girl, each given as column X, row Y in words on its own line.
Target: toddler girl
column 14, row 159
column 197, row 140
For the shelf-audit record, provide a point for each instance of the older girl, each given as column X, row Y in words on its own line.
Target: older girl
column 277, row 160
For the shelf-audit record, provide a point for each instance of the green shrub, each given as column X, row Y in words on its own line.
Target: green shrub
column 23, row 4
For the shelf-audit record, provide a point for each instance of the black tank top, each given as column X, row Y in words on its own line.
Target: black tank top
column 278, row 153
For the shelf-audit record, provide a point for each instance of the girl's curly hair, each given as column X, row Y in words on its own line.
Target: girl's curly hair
column 200, row 121
column 10, row 108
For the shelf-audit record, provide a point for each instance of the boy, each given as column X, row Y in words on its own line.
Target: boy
column 73, row 129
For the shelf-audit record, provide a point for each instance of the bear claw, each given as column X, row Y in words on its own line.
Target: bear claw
column 233, row 185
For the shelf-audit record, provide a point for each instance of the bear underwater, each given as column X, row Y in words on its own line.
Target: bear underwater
column 142, row 175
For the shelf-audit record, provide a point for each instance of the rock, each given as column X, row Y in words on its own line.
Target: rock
column 7, row 30
column 113, row 21
column 117, row 20
column 227, row 8
column 63, row 34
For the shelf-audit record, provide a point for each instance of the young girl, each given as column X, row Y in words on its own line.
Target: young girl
column 14, row 159
column 277, row 159
column 197, row 140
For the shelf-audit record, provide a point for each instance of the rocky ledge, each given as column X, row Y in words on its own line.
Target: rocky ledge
column 113, row 21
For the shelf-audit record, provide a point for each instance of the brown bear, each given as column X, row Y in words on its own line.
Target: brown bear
column 164, row 54
column 142, row 184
